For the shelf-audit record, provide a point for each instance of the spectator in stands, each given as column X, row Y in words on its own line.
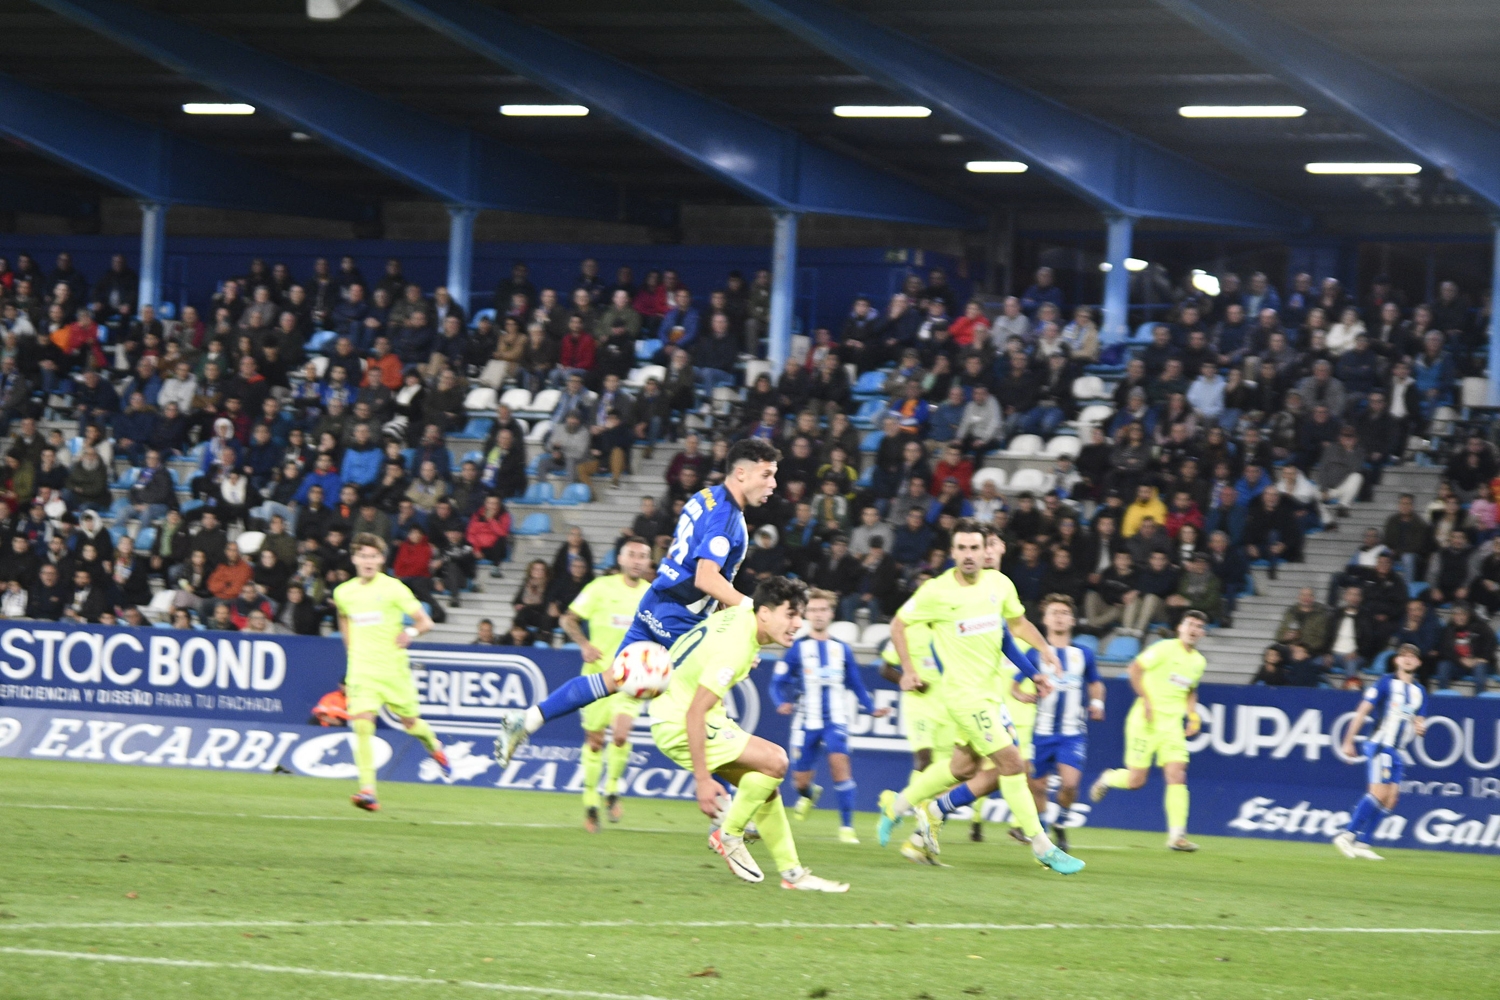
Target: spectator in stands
column 1434, row 374
column 1355, row 637
column 1466, row 648
column 1306, row 623
column 1272, row 532
column 982, row 427
column 1450, row 582
column 1409, row 537
column 1339, row 477
column 230, row 574
column 1272, row 670
column 1472, row 467
column 1108, row 601
column 1421, row 627
column 87, row 484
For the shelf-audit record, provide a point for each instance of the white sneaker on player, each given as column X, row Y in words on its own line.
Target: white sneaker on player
column 512, row 735
column 1098, row 789
column 732, row 850
column 1363, row 851
column 913, row 850
column 1345, row 843
column 804, row 879
column 927, row 834
column 1181, row 844
column 847, row 835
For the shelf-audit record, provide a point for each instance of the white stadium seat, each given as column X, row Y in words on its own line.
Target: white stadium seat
column 1029, row 481
column 997, row 476
column 1475, row 391
column 1063, row 444
column 1089, row 387
column 1099, row 413
column 480, row 398
column 517, row 399
column 844, row 632
column 250, row 542
column 544, row 402
column 538, row 433
column 1024, row 446
column 874, row 635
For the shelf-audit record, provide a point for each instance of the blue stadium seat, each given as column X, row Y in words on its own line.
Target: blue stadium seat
column 119, row 509
column 1382, row 662
column 145, row 539
column 488, row 314
column 533, row 463
column 127, row 479
column 476, row 456
column 167, row 310
column 477, row 427
column 870, row 443
column 1415, row 590
column 645, row 350
column 190, row 506
column 870, row 412
column 575, row 493
column 1086, row 642
column 1490, row 694
column 870, row 384
column 407, row 454
column 1122, row 649
column 536, row 523
column 116, row 532
column 1447, row 693
column 538, row 493
column 867, row 478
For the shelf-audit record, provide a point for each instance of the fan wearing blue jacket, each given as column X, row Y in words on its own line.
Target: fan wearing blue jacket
column 818, row 679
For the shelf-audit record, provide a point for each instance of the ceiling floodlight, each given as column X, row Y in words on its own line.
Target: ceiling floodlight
column 1241, row 111
column 219, row 109
column 543, row 110
column 881, row 111
column 1364, row 168
column 995, row 167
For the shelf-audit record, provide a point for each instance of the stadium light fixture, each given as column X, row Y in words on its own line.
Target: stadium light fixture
column 1205, row 282
column 543, row 110
column 1364, row 168
column 1135, row 264
column 200, row 108
column 1241, row 111
column 881, row 111
column 995, row 167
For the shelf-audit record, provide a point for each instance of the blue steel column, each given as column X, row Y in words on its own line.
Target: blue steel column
column 153, row 247
column 1117, row 279
column 783, row 290
column 461, row 252
column 1493, row 395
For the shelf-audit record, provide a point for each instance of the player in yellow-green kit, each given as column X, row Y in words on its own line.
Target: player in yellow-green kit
column 608, row 605
column 372, row 610
column 691, row 727
column 1165, row 677
column 970, row 611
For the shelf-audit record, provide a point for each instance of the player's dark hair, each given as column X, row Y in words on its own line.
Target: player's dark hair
column 752, row 450
column 367, row 540
column 968, row 526
column 1196, row 615
column 779, row 590
column 635, row 540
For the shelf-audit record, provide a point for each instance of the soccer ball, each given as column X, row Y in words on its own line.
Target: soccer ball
column 643, row 669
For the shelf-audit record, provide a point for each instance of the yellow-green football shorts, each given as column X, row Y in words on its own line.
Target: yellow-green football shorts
column 601, row 714
column 1165, row 742
column 928, row 725
column 1023, row 738
column 724, row 743
column 369, row 692
column 981, row 721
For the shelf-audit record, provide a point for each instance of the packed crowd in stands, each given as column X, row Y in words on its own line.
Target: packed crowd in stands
column 313, row 407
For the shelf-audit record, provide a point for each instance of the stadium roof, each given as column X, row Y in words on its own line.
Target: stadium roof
column 1129, row 63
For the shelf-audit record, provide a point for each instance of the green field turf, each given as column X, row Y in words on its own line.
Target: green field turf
column 270, row 886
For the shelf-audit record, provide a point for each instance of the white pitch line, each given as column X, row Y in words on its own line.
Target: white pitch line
column 708, row 924
column 319, row 819
column 292, row 970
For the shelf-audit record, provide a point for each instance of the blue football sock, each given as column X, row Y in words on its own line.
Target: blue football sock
column 573, row 695
column 846, row 801
column 1366, row 811
column 955, row 799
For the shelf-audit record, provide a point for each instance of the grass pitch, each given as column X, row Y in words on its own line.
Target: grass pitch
column 125, row 883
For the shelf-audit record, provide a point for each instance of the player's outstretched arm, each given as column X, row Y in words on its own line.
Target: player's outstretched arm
column 1032, row 636
column 573, row 628
column 1136, row 673
column 697, row 737
column 1356, row 724
column 909, row 679
column 420, row 625
column 708, row 577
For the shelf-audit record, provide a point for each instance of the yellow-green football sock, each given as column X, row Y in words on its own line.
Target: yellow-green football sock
column 1017, row 792
column 774, row 829
column 364, row 752
column 617, row 758
column 1175, row 799
column 1117, row 777
column 593, row 766
column 927, row 785
column 422, row 731
column 755, row 788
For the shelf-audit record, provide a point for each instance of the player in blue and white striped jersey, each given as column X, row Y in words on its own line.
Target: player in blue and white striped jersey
column 1060, row 735
column 816, row 678
column 693, row 580
column 1396, row 702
